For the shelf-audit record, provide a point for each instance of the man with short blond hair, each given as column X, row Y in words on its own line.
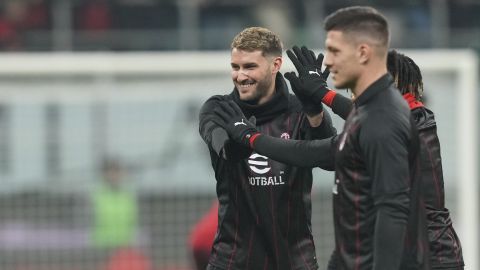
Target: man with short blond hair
column 264, row 205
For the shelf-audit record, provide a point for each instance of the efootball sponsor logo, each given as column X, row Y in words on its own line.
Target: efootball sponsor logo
column 259, row 164
column 285, row 136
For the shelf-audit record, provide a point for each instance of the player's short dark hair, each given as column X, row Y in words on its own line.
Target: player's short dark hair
column 258, row 38
column 406, row 73
column 360, row 21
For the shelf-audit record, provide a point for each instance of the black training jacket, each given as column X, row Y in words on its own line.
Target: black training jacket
column 378, row 210
column 264, row 205
column 445, row 247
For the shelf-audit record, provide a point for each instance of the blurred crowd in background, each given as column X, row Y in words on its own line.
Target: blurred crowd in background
column 124, row 25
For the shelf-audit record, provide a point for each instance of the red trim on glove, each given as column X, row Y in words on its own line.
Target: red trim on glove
column 412, row 101
column 328, row 98
column 252, row 139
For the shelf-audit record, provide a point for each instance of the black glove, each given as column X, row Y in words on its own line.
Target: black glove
column 231, row 118
column 311, row 84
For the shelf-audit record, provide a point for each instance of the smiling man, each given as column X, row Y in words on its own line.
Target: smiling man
column 264, row 205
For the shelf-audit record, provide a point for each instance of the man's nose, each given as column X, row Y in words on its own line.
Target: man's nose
column 327, row 60
column 242, row 75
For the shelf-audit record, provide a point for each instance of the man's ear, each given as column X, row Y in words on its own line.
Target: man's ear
column 364, row 53
column 276, row 64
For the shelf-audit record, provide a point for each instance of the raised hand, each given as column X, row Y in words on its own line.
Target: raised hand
column 310, row 86
column 307, row 63
column 232, row 119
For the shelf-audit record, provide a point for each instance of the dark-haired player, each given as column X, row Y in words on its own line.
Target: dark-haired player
column 445, row 247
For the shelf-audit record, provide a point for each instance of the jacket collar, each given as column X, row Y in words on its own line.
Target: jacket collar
column 412, row 101
column 382, row 83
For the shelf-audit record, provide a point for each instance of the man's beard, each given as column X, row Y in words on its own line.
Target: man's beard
column 261, row 91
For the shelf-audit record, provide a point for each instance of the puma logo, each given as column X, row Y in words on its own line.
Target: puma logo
column 313, row 72
column 239, row 123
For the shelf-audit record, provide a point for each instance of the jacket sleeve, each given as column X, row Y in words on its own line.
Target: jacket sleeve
column 325, row 130
column 386, row 157
column 301, row 153
column 390, row 231
column 341, row 106
column 332, row 262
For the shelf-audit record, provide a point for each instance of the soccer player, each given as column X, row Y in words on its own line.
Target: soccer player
column 378, row 215
column 445, row 247
column 264, row 205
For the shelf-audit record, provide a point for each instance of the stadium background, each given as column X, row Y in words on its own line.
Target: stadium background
column 83, row 80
